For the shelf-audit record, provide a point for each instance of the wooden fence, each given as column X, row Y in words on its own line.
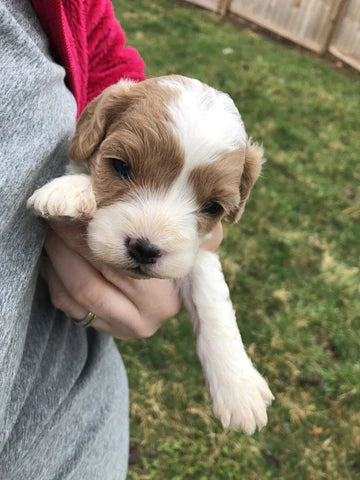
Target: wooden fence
column 345, row 42
column 320, row 25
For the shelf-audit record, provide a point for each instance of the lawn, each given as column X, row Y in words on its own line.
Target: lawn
column 292, row 264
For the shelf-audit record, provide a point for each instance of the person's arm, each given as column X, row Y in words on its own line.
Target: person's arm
column 109, row 60
column 87, row 40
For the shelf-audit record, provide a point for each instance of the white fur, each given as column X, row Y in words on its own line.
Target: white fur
column 166, row 219
column 238, row 392
column 68, row 196
column 206, row 121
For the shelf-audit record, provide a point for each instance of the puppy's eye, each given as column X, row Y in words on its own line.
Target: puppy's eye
column 121, row 168
column 211, row 208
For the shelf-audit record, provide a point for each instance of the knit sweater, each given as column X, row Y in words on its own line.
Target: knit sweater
column 89, row 43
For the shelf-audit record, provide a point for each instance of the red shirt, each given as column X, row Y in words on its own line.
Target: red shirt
column 88, row 41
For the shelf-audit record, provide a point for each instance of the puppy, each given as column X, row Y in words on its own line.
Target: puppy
column 154, row 166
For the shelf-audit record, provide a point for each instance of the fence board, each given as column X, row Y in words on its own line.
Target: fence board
column 307, row 22
column 345, row 43
column 208, row 4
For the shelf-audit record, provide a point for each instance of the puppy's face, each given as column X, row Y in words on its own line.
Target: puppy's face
column 168, row 158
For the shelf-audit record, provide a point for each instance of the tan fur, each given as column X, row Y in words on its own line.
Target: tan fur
column 218, row 181
column 252, row 168
column 95, row 119
column 128, row 123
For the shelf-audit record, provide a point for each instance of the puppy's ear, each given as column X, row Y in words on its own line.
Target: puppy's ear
column 254, row 158
column 96, row 118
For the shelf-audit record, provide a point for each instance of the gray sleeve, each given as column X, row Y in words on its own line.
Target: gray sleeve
column 63, row 389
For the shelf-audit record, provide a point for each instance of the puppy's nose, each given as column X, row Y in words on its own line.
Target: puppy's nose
column 141, row 250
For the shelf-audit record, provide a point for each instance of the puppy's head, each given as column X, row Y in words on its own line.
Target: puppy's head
column 168, row 157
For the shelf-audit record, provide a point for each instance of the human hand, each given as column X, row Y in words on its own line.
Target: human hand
column 124, row 307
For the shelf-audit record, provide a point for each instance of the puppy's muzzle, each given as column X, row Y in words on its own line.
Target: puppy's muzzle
column 142, row 251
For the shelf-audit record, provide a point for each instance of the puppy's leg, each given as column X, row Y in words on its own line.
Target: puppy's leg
column 238, row 392
column 69, row 196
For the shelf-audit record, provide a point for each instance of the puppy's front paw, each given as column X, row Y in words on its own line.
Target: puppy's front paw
column 241, row 401
column 68, row 196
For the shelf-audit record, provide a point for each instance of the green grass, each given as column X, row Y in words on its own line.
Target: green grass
column 292, row 265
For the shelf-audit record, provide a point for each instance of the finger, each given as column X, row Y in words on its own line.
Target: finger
column 91, row 290
column 131, row 287
column 216, row 238
column 155, row 298
column 73, row 234
column 62, row 300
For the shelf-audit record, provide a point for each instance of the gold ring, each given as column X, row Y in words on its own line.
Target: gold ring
column 86, row 321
